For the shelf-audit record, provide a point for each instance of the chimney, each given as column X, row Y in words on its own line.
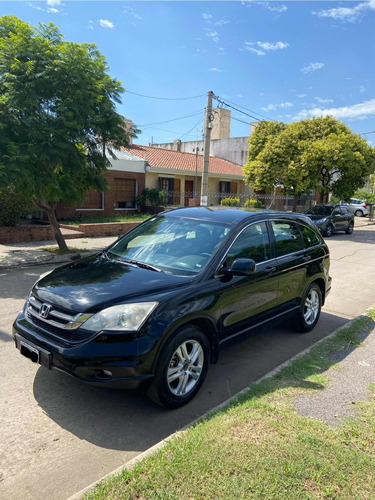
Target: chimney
column 176, row 145
column 128, row 127
column 221, row 124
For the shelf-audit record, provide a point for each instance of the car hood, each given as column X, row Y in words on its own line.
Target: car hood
column 96, row 282
column 316, row 217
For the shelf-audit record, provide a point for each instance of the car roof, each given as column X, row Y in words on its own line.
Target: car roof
column 230, row 216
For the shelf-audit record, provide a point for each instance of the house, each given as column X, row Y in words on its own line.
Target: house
column 177, row 173
column 180, row 174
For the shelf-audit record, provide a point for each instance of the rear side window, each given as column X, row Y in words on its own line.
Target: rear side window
column 287, row 237
column 309, row 237
column 252, row 243
column 344, row 211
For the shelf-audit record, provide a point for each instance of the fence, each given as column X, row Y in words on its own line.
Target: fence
column 264, row 201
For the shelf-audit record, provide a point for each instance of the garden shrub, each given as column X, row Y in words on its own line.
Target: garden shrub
column 230, row 202
column 13, row 205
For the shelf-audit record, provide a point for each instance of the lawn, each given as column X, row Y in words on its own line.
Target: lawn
column 112, row 218
column 260, row 447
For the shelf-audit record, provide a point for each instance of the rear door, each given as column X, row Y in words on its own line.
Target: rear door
column 339, row 219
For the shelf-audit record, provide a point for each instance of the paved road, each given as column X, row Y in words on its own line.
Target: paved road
column 58, row 435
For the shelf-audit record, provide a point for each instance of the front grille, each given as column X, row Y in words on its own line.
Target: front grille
column 55, row 324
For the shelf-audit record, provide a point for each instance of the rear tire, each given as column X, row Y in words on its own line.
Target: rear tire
column 309, row 312
column 358, row 213
column 181, row 368
column 350, row 228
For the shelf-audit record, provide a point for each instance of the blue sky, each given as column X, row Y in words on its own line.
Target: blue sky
column 279, row 60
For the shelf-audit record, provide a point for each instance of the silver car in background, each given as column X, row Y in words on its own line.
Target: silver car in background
column 358, row 207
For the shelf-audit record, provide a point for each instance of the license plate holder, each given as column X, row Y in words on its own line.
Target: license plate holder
column 30, row 352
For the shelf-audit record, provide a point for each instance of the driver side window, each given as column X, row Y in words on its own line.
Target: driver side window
column 252, row 243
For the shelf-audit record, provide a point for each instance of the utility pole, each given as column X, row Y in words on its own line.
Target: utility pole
column 206, row 149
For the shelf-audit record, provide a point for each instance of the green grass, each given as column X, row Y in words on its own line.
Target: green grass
column 260, row 447
column 57, row 251
column 112, row 218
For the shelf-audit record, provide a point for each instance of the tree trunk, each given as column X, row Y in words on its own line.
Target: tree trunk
column 49, row 208
column 321, row 194
column 295, row 199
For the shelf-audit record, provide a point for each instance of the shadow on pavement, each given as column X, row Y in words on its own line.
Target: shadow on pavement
column 129, row 421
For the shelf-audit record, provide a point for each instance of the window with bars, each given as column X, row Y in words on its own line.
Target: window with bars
column 125, row 191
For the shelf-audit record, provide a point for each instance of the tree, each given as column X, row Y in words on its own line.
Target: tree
column 318, row 153
column 58, row 121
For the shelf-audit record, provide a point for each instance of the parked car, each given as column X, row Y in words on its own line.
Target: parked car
column 153, row 309
column 331, row 218
column 357, row 207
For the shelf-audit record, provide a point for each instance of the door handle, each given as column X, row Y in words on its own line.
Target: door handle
column 306, row 258
column 269, row 270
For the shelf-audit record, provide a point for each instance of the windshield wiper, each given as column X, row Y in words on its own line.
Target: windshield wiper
column 142, row 264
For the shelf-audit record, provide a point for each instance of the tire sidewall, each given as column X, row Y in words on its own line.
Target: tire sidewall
column 165, row 396
column 329, row 230
column 302, row 326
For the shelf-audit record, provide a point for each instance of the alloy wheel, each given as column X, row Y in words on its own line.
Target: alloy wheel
column 185, row 367
column 311, row 309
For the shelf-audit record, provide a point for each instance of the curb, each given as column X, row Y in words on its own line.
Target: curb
column 129, row 465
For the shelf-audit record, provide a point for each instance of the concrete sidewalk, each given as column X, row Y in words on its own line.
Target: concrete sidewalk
column 32, row 253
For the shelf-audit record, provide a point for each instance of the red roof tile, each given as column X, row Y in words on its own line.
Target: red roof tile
column 166, row 158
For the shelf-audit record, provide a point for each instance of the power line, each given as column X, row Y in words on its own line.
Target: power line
column 241, row 121
column 193, row 127
column 172, row 120
column 230, row 106
column 250, row 110
column 365, row 133
column 165, row 98
column 177, row 134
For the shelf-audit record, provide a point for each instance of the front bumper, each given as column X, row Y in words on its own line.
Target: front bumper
column 95, row 364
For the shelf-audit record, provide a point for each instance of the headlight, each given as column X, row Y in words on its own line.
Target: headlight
column 321, row 221
column 123, row 317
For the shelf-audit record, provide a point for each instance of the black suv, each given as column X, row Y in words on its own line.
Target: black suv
column 331, row 218
column 153, row 309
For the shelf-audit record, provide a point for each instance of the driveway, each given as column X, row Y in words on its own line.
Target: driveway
column 58, row 435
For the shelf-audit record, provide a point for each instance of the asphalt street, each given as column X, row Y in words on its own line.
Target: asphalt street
column 58, row 435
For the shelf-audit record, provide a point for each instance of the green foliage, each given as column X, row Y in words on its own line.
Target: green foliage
column 318, row 153
column 13, row 205
column 365, row 194
column 230, row 202
column 252, row 204
column 334, row 200
column 58, row 120
column 151, row 197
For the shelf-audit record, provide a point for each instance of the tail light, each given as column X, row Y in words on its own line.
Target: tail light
column 364, row 205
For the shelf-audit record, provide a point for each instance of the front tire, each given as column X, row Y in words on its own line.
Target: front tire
column 181, row 369
column 349, row 230
column 309, row 312
column 329, row 230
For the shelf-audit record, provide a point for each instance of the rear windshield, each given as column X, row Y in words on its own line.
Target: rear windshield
column 171, row 244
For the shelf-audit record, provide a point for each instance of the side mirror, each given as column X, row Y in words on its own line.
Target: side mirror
column 242, row 267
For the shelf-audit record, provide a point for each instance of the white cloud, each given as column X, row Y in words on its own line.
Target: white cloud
column 360, row 110
column 311, row 67
column 50, row 10
column 206, row 16
column 362, row 89
column 239, row 95
column 53, row 2
column 323, row 101
column 269, row 6
column 216, row 70
column 213, row 35
column 222, row 22
column 273, row 107
column 263, row 47
column 349, row 14
column 104, row 23
column 133, row 17
column 301, row 95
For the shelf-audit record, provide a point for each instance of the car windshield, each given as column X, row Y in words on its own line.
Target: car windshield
column 319, row 210
column 170, row 244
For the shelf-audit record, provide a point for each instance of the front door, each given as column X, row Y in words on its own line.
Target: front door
column 189, row 192
column 245, row 300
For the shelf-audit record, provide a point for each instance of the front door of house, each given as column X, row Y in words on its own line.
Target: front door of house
column 189, row 192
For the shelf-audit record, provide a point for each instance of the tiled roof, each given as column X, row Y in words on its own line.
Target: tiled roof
column 166, row 158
